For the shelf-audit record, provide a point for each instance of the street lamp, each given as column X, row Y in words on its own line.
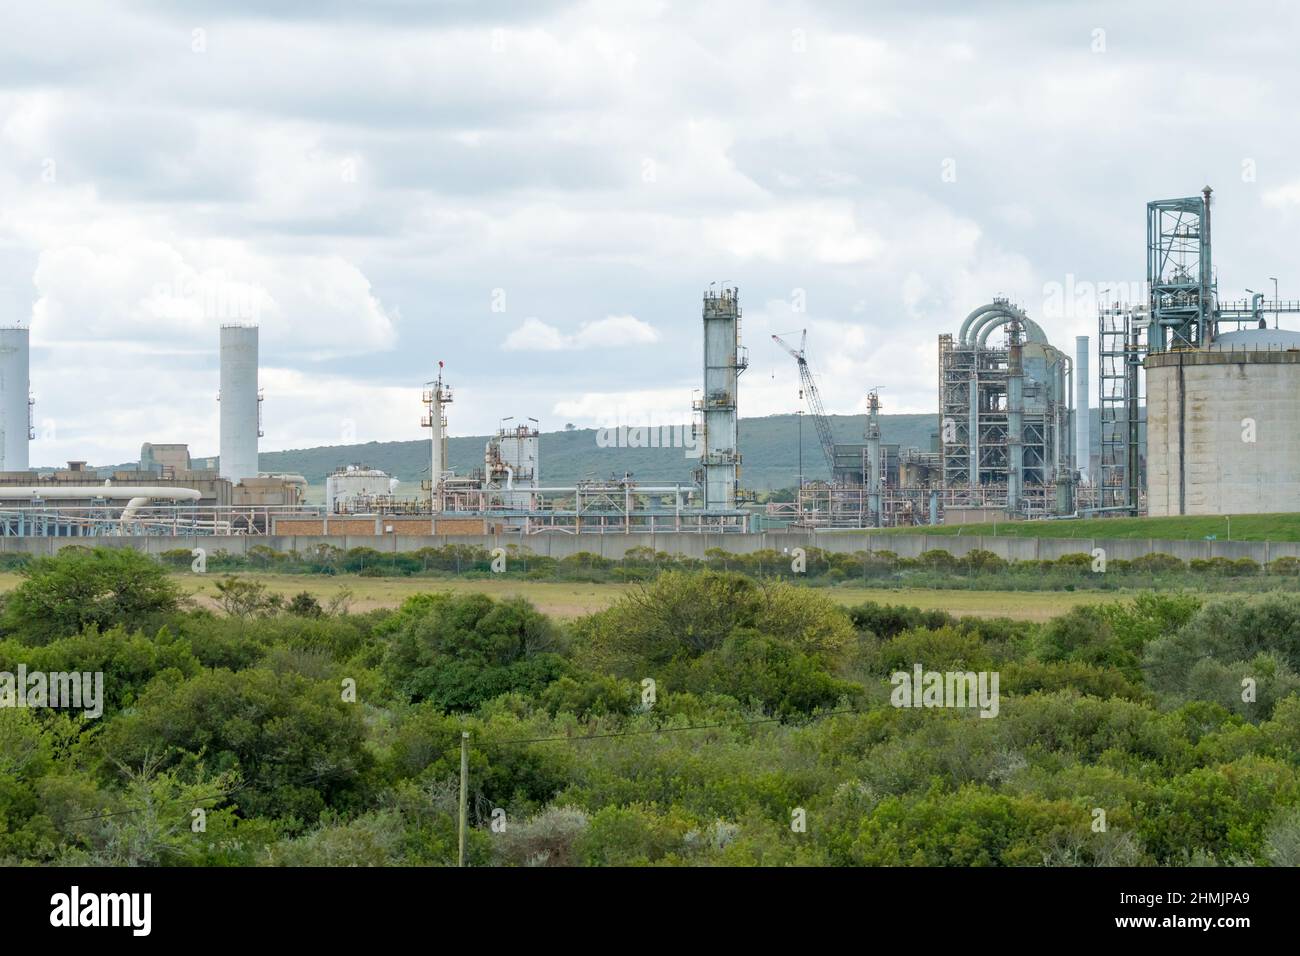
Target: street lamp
column 508, row 418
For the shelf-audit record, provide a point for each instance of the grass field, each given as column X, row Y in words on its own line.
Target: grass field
column 1269, row 527
column 567, row 599
column 571, row 599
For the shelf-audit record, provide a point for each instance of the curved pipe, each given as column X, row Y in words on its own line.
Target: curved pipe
column 132, row 506
column 987, row 324
column 963, row 336
column 971, row 327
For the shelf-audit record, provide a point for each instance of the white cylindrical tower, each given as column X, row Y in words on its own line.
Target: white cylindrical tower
column 15, row 389
column 436, row 397
column 241, row 417
column 1082, row 413
column 723, row 363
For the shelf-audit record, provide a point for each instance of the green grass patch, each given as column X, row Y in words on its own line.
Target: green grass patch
column 1267, row 527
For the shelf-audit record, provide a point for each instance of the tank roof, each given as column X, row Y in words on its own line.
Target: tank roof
column 1260, row 339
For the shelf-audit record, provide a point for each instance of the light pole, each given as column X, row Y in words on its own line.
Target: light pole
column 1277, row 306
column 508, row 418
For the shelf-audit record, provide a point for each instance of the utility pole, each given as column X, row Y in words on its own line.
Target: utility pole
column 464, row 793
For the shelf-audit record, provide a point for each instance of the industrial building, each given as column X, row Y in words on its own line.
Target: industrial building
column 1006, row 416
column 1198, row 395
column 1197, row 403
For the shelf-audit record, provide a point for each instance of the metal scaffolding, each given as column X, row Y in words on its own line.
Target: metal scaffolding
column 1005, row 416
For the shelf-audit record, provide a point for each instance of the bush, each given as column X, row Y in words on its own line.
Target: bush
column 462, row 650
column 80, row 589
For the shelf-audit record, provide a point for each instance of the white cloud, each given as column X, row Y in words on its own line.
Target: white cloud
column 361, row 186
column 146, row 290
column 614, row 331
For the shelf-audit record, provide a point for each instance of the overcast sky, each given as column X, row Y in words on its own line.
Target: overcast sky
column 537, row 193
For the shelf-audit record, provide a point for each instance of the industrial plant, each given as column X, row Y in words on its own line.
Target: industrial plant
column 1197, row 399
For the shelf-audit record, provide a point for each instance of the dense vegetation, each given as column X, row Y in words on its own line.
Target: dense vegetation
column 1256, row 527
column 936, row 568
column 708, row 717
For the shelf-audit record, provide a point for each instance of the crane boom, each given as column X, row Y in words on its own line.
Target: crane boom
column 813, row 397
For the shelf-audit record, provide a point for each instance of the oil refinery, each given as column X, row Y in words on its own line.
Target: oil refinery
column 1197, row 400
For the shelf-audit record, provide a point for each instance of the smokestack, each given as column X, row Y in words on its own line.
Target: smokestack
column 1082, row 411
column 15, row 402
column 241, row 413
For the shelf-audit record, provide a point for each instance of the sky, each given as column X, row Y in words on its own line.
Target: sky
column 537, row 194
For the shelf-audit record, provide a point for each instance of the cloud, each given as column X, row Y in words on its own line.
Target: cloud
column 361, row 180
column 145, row 290
column 614, row 331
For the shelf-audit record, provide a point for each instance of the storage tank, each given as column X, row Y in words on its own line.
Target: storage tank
column 353, row 487
column 512, row 461
column 1222, row 435
column 240, row 414
column 15, row 391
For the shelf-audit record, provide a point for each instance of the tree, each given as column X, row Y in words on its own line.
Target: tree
column 77, row 589
column 304, row 604
column 240, row 598
column 461, row 650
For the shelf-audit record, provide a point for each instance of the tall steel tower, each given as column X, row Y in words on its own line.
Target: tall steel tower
column 1180, row 275
column 724, row 360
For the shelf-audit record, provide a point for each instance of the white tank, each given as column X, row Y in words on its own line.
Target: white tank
column 355, row 485
column 240, row 421
column 1221, row 426
column 15, row 389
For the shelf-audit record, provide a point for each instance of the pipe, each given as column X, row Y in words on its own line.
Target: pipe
column 1082, row 409
column 1033, row 332
column 1015, row 421
column 106, row 490
column 962, row 337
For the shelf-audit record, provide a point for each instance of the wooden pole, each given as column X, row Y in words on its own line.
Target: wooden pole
column 464, row 793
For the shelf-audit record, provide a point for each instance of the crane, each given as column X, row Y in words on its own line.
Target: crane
column 809, row 391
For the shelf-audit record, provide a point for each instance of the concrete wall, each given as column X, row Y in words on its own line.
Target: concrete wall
column 696, row 545
column 1223, row 433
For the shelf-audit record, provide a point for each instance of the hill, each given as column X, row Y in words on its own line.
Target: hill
column 770, row 447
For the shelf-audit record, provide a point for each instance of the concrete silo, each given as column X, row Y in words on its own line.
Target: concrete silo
column 15, row 402
column 241, row 417
column 1221, row 425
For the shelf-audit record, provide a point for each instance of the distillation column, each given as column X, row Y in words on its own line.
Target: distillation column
column 723, row 363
